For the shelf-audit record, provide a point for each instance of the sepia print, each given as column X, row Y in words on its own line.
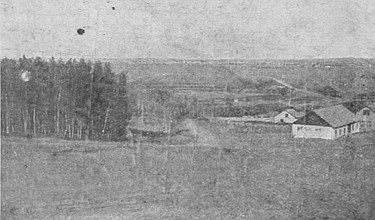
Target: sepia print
column 173, row 109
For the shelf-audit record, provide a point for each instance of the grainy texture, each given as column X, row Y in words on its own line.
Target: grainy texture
column 274, row 178
column 249, row 29
column 165, row 109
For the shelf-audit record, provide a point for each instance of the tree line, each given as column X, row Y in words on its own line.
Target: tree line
column 72, row 99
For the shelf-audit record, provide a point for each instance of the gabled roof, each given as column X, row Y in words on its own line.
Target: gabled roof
column 311, row 118
column 355, row 106
column 333, row 116
column 336, row 115
column 294, row 113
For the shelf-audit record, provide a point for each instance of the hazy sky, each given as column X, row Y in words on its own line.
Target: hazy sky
column 247, row 29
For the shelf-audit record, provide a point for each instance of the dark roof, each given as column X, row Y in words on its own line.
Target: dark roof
column 333, row 116
column 311, row 118
column 355, row 106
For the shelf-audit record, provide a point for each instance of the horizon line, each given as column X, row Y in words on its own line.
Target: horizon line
column 185, row 59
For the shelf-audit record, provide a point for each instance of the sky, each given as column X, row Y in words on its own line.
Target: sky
column 200, row 29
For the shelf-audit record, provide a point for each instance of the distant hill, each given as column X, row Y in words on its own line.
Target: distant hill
column 338, row 73
column 175, row 74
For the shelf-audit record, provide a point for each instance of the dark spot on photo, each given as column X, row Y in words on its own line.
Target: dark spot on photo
column 113, row 8
column 80, row 31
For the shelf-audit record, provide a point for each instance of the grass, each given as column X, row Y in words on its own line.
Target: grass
column 266, row 176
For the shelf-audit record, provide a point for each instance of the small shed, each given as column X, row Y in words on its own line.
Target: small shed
column 288, row 116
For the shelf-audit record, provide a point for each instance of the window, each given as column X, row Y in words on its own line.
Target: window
column 286, row 115
column 344, row 131
column 366, row 112
column 369, row 124
column 339, row 131
column 335, row 133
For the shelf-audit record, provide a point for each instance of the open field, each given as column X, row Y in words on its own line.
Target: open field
column 224, row 172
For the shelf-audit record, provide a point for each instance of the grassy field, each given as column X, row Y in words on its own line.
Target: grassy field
column 249, row 172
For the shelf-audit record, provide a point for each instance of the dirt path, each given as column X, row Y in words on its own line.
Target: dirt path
column 202, row 135
column 292, row 87
column 210, row 134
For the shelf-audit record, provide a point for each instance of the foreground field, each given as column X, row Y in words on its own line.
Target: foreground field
column 265, row 176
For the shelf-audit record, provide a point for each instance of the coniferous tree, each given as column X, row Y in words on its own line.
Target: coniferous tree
column 45, row 97
column 119, row 114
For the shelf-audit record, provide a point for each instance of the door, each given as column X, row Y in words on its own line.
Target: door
column 349, row 129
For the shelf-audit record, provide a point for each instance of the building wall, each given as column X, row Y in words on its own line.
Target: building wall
column 367, row 121
column 312, row 131
column 281, row 118
column 344, row 130
column 355, row 128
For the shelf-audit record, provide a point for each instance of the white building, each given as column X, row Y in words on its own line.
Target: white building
column 364, row 114
column 326, row 123
column 288, row 116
